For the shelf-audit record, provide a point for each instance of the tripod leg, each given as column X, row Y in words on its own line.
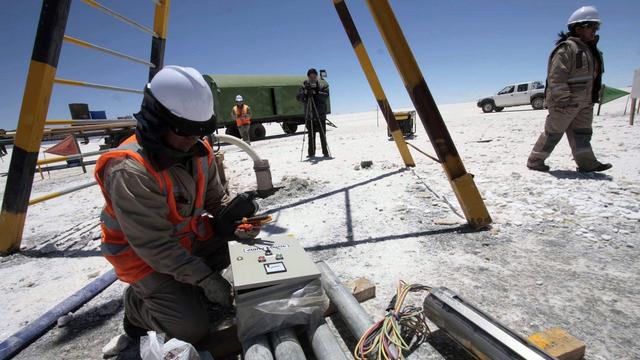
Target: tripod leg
column 323, row 135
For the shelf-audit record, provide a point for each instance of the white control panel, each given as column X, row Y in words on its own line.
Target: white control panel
column 263, row 262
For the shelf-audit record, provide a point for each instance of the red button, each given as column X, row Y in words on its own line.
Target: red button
column 261, row 259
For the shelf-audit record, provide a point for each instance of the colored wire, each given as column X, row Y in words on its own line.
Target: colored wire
column 401, row 327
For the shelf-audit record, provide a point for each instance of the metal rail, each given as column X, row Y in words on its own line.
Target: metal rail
column 117, row 54
column 70, row 157
column 95, row 86
column 56, row 194
column 119, row 16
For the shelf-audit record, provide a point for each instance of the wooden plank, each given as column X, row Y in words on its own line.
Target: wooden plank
column 559, row 343
column 361, row 288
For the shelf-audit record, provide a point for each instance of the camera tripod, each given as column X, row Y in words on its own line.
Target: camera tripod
column 311, row 113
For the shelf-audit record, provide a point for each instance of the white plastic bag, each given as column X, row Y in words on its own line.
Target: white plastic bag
column 153, row 347
column 285, row 306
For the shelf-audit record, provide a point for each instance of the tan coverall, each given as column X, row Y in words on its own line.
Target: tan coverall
column 573, row 69
column 168, row 300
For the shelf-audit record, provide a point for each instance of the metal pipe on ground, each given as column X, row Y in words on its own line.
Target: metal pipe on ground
column 324, row 343
column 257, row 348
column 286, row 345
column 354, row 315
column 25, row 336
column 260, row 166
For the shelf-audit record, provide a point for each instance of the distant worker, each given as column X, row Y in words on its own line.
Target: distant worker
column 161, row 189
column 314, row 95
column 574, row 78
column 241, row 113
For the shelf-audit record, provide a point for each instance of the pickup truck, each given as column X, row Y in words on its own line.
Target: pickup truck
column 524, row 93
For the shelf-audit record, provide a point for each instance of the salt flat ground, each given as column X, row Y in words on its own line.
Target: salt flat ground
column 563, row 249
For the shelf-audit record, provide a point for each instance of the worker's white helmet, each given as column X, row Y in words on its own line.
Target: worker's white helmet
column 186, row 98
column 585, row 14
column 239, row 98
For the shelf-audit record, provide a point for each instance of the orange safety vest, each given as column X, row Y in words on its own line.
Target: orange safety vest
column 129, row 267
column 241, row 115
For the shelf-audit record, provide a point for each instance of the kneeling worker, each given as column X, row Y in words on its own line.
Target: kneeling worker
column 241, row 113
column 162, row 190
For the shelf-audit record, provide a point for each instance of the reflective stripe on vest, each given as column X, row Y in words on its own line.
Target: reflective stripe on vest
column 115, row 247
column 241, row 115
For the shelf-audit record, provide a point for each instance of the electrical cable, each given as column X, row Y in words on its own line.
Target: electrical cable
column 402, row 326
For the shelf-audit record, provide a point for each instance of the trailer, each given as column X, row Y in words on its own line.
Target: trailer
column 272, row 99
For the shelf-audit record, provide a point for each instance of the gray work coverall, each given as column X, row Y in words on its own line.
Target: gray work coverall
column 573, row 83
column 168, row 300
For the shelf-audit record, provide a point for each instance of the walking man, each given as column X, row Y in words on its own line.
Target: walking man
column 574, row 78
column 241, row 113
column 314, row 95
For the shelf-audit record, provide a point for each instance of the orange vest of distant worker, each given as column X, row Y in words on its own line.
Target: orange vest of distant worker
column 129, row 267
column 242, row 118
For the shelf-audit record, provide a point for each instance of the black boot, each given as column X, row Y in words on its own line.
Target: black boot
column 600, row 167
column 131, row 330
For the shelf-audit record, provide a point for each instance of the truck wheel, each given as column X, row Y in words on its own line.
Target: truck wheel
column 289, row 127
column 232, row 130
column 498, row 109
column 537, row 103
column 257, row 132
column 487, row 107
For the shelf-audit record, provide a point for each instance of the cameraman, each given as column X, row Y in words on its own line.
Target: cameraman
column 314, row 95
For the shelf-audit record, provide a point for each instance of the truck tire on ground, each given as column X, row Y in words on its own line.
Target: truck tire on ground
column 257, row 132
column 498, row 109
column 537, row 103
column 289, row 127
column 487, row 107
column 232, row 130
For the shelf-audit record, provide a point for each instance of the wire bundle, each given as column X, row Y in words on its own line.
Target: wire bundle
column 389, row 337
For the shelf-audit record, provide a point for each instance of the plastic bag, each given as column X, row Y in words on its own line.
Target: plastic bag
column 153, row 347
column 288, row 305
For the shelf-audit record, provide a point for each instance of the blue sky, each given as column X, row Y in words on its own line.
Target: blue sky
column 466, row 49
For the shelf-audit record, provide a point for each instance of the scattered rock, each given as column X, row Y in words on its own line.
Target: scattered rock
column 64, row 320
column 539, row 282
column 357, row 167
column 116, row 345
column 93, row 274
column 447, row 221
column 605, row 237
column 366, row 164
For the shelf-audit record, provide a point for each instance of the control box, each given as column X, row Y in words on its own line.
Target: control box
column 278, row 260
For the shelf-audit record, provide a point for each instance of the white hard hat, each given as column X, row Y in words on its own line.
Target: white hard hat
column 585, row 14
column 239, row 98
column 183, row 91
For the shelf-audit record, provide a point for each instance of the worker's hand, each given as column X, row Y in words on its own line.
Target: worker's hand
column 247, row 231
column 216, row 289
column 240, row 207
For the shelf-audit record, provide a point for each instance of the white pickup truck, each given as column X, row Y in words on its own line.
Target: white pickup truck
column 524, row 93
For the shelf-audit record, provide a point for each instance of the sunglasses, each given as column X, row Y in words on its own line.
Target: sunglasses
column 590, row 25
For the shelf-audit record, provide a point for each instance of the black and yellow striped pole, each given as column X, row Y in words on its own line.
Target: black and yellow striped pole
column 158, row 41
column 35, row 104
column 462, row 182
column 372, row 78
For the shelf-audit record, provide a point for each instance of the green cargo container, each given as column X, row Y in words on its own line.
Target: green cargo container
column 272, row 98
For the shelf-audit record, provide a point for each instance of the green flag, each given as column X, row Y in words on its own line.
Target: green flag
column 610, row 94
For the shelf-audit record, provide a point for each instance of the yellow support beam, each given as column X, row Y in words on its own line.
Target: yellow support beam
column 35, row 104
column 374, row 82
column 462, row 182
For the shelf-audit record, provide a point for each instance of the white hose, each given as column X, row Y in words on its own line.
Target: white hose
column 241, row 144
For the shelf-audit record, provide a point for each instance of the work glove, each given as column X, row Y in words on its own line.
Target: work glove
column 216, row 289
column 242, row 206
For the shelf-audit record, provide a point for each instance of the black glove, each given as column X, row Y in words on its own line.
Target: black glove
column 241, row 206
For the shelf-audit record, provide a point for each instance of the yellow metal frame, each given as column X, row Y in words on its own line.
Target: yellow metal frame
column 462, row 183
